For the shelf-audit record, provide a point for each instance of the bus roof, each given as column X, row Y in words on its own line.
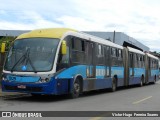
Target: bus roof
column 60, row 32
column 152, row 56
column 135, row 50
column 101, row 40
column 94, row 39
column 50, row 33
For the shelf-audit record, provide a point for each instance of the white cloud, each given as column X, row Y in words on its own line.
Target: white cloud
column 139, row 18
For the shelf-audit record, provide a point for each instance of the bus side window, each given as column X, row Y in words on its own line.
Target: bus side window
column 100, row 54
column 135, row 60
column 78, row 50
column 114, row 57
column 120, row 53
column 138, row 60
column 99, row 50
column 113, row 52
column 131, row 60
column 107, row 54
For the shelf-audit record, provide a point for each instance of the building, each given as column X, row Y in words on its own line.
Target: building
column 120, row 39
column 11, row 33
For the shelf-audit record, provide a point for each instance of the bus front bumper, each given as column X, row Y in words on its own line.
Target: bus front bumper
column 38, row 88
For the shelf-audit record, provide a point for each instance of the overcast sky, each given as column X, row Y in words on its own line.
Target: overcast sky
column 139, row 19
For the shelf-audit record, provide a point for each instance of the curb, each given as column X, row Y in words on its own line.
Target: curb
column 3, row 94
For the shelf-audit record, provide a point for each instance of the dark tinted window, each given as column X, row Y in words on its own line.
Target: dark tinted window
column 100, row 55
column 78, row 50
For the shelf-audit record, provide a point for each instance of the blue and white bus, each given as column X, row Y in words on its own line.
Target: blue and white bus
column 64, row 61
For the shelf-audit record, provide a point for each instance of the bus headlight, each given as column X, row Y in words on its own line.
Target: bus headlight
column 4, row 78
column 44, row 80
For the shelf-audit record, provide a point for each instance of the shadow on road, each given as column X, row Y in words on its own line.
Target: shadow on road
column 53, row 98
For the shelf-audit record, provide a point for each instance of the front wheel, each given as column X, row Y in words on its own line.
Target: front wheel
column 76, row 89
column 36, row 95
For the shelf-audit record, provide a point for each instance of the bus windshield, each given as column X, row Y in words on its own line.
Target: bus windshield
column 31, row 55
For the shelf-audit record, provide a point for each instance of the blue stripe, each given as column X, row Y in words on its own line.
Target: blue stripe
column 73, row 71
column 82, row 70
column 138, row 72
column 22, row 79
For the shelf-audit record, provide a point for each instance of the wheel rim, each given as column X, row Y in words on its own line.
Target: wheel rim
column 113, row 85
column 76, row 87
column 141, row 83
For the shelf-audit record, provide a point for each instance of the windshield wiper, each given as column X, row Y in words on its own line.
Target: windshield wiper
column 22, row 57
column 26, row 57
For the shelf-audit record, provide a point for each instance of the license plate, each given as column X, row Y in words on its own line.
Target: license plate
column 21, row 86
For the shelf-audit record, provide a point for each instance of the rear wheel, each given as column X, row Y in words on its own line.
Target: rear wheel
column 141, row 83
column 154, row 80
column 114, row 85
column 76, row 89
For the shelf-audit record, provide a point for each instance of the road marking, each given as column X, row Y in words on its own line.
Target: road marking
column 96, row 118
column 136, row 102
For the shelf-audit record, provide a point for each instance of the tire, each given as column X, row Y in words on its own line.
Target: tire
column 36, row 95
column 154, row 80
column 141, row 83
column 76, row 89
column 114, row 85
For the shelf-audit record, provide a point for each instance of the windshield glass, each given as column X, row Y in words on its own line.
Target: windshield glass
column 31, row 54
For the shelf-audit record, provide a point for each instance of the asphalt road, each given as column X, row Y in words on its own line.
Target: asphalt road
column 146, row 98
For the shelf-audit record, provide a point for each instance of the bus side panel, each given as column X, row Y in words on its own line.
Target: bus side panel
column 152, row 77
column 119, row 72
column 95, row 84
column 72, row 72
column 100, row 72
column 63, row 86
column 136, row 79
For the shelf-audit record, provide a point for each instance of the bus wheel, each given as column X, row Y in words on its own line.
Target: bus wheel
column 154, row 80
column 141, row 83
column 76, row 89
column 36, row 95
column 114, row 85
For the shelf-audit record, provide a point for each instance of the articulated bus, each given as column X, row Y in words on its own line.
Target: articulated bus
column 64, row 61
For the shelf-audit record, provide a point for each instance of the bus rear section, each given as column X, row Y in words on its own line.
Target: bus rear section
column 152, row 68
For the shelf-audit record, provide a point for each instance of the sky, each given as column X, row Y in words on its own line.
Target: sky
column 139, row 19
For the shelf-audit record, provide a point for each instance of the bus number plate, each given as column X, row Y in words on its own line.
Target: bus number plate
column 21, row 86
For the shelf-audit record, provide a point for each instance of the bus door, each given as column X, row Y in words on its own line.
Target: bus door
column 90, row 60
column 131, row 65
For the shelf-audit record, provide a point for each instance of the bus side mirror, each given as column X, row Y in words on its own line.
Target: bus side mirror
column 63, row 48
column 3, row 46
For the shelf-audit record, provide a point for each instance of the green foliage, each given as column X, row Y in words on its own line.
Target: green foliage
column 8, row 40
